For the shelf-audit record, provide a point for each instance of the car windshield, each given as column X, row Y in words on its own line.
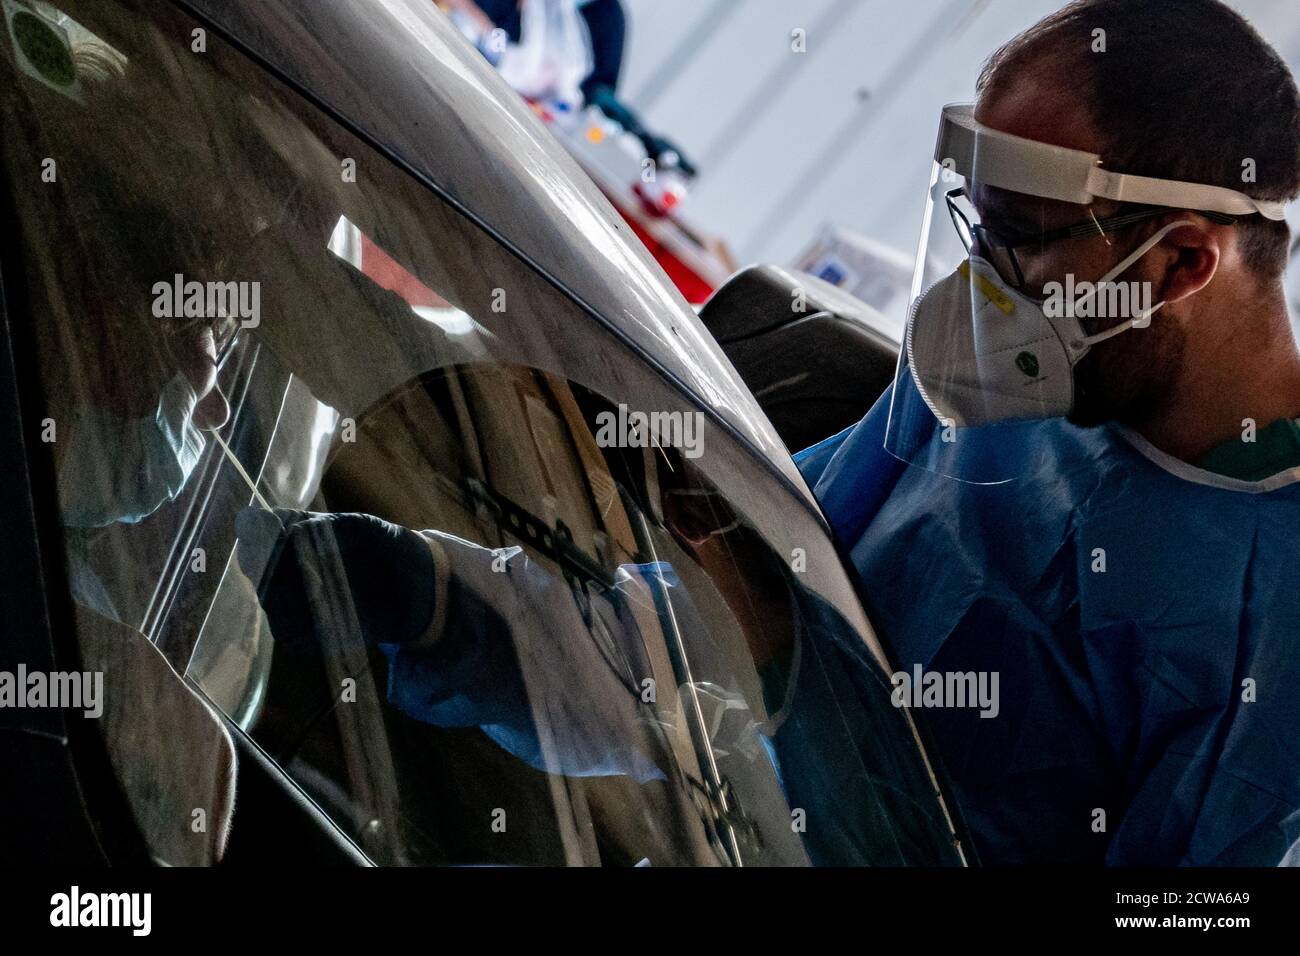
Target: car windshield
column 638, row 647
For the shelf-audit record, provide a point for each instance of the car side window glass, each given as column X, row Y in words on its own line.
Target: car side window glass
column 483, row 584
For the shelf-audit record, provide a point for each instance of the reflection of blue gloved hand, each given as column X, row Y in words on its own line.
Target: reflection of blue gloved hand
column 389, row 571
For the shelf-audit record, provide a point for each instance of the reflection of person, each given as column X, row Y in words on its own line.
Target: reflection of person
column 489, row 638
column 605, row 23
column 1127, row 571
column 118, row 463
column 118, row 460
column 121, row 462
column 128, row 395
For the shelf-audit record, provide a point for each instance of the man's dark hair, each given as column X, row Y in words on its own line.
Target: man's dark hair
column 1184, row 89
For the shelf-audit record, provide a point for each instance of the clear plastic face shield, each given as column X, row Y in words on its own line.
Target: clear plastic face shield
column 1024, row 264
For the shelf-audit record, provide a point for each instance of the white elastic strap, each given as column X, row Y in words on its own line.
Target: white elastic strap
column 1146, row 191
column 1138, row 321
column 1110, row 333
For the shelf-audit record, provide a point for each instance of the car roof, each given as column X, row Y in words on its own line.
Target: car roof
column 400, row 73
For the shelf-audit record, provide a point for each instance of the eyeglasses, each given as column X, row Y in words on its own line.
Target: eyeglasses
column 181, row 339
column 1000, row 249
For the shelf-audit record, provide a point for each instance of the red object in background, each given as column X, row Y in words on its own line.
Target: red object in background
column 689, row 283
column 387, row 272
column 390, row 274
column 658, row 202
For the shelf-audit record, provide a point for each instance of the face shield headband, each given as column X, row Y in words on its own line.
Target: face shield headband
column 981, row 154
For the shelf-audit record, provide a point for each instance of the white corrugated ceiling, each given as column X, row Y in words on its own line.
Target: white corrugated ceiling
column 842, row 133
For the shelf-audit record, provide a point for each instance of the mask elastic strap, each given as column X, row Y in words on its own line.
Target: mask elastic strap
column 1091, row 340
column 1143, row 319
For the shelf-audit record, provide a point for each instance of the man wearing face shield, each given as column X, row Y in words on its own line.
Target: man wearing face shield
column 1086, row 475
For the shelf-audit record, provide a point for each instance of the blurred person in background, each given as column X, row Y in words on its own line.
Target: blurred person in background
column 563, row 49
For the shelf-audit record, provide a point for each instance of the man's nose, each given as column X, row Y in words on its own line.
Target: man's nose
column 212, row 411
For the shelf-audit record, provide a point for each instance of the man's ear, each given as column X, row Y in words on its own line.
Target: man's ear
column 1191, row 259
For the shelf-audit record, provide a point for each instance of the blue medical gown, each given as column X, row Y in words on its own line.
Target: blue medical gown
column 1132, row 614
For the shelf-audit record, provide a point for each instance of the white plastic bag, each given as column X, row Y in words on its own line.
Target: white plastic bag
column 553, row 55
